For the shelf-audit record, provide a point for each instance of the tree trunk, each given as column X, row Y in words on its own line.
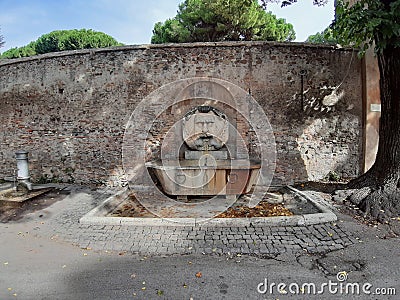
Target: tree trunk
column 380, row 196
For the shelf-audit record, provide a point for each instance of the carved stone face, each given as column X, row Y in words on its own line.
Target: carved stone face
column 204, row 123
column 205, row 131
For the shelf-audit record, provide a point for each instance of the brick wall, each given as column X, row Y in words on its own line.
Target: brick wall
column 70, row 109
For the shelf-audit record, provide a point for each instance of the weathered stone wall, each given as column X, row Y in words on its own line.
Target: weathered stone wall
column 70, row 109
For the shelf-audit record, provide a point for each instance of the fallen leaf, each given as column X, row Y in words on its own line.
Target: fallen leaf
column 64, row 266
column 133, row 275
column 263, row 209
column 160, row 293
column 198, row 275
column 6, row 263
column 84, row 254
column 283, row 291
column 15, row 294
column 185, row 285
column 144, row 282
column 189, row 262
column 10, row 289
column 143, row 288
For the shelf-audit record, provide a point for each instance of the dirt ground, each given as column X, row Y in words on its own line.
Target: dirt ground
column 12, row 211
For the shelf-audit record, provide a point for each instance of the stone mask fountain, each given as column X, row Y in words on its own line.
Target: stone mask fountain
column 208, row 167
column 192, row 146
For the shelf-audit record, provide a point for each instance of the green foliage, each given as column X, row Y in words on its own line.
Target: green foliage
column 367, row 23
column 333, row 176
column 61, row 40
column 221, row 20
column 24, row 51
column 44, row 179
column 323, row 37
column 169, row 31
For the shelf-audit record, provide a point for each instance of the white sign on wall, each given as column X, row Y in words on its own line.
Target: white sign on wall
column 375, row 107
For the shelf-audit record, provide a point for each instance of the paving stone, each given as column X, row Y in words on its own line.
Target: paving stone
column 191, row 239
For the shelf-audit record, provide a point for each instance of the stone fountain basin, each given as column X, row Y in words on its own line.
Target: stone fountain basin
column 308, row 207
column 222, row 177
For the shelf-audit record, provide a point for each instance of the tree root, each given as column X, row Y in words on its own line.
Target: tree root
column 359, row 195
column 378, row 203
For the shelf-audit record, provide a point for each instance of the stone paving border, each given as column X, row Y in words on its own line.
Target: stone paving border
column 60, row 221
column 261, row 240
column 226, row 240
column 97, row 216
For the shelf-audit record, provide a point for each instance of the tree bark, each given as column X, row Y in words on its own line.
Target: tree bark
column 381, row 199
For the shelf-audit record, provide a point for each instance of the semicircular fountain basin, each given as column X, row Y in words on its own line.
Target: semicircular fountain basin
column 222, row 177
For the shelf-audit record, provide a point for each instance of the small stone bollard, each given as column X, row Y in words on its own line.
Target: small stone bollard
column 23, row 183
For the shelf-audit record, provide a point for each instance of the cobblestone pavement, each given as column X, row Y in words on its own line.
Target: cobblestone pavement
column 60, row 222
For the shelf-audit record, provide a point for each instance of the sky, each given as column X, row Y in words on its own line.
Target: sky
column 128, row 21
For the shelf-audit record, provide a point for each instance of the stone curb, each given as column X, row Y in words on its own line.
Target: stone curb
column 97, row 216
column 326, row 215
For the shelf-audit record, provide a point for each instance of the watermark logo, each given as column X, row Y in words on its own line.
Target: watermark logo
column 341, row 276
column 341, row 286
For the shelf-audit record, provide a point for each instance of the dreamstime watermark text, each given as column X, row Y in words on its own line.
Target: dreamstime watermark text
column 335, row 287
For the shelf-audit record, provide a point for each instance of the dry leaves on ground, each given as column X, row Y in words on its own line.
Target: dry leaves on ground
column 262, row 209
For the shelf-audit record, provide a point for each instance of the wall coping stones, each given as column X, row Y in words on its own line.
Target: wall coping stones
column 51, row 55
